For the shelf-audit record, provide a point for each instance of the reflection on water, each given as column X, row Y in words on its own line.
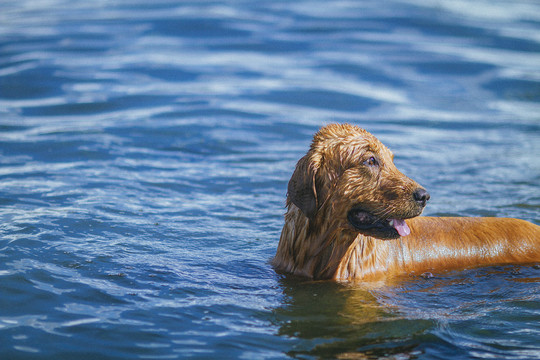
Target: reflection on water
column 455, row 315
column 145, row 149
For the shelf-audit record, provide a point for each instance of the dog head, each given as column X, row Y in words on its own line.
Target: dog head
column 348, row 175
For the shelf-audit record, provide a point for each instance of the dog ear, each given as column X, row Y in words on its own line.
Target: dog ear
column 302, row 190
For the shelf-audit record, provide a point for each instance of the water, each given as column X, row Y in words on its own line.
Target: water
column 145, row 149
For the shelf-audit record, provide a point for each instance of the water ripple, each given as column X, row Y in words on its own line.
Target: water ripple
column 145, row 150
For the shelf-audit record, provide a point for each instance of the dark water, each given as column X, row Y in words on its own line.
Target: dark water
column 145, row 148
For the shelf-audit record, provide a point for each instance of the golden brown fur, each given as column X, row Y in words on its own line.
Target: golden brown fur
column 346, row 205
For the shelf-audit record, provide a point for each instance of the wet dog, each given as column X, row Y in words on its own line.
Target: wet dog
column 353, row 215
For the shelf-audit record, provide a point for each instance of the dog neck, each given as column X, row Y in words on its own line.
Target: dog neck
column 327, row 250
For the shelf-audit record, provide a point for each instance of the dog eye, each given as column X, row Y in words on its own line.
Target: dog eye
column 371, row 162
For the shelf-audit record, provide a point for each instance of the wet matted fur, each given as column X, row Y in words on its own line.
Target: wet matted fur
column 346, row 209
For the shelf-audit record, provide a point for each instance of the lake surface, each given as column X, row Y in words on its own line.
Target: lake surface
column 146, row 146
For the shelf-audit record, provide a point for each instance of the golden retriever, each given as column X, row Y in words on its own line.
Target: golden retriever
column 352, row 215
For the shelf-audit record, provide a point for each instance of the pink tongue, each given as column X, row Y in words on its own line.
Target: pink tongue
column 401, row 227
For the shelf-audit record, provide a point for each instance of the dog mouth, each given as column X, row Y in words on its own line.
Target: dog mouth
column 371, row 225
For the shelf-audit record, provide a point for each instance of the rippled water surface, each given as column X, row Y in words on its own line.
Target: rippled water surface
column 145, row 149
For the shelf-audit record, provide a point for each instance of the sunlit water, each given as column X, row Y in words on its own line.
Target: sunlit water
column 145, row 149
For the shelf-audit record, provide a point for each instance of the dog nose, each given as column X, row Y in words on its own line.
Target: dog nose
column 421, row 196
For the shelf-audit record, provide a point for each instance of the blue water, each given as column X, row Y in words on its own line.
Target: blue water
column 145, row 149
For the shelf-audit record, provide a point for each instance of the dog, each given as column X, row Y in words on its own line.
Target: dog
column 352, row 215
